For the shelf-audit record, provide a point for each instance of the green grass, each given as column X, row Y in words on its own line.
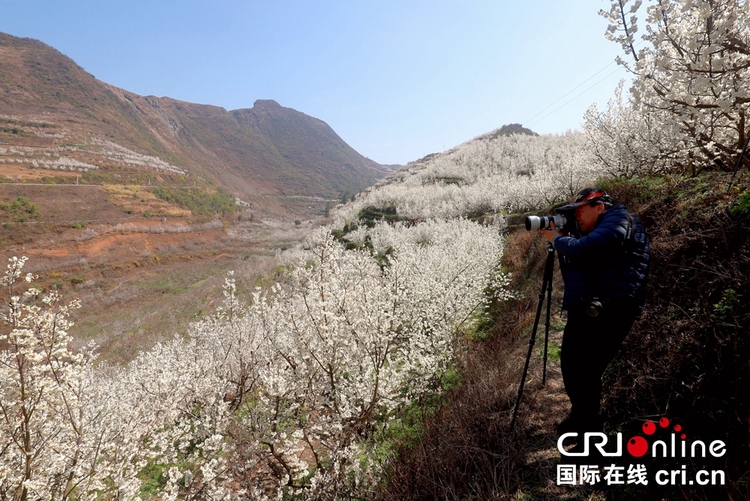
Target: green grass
column 447, row 180
column 553, row 351
column 725, row 308
column 640, row 189
column 742, row 208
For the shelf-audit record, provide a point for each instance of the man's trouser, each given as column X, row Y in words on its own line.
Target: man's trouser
column 589, row 345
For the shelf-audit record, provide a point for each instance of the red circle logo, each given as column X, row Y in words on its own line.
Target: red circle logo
column 637, row 446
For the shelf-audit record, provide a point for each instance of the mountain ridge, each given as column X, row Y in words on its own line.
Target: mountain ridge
column 266, row 150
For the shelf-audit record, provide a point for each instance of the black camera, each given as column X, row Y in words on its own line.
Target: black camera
column 593, row 308
column 543, row 222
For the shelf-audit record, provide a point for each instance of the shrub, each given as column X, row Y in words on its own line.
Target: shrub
column 20, row 210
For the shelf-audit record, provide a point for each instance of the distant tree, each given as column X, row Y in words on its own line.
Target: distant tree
column 691, row 77
column 510, row 129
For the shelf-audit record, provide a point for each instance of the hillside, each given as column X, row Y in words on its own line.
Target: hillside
column 138, row 205
column 51, row 109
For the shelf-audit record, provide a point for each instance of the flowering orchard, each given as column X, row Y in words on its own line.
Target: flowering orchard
column 70, row 430
column 341, row 344
column 626, row 142
column 290, row 390
column 295, row 392
column 489, row 174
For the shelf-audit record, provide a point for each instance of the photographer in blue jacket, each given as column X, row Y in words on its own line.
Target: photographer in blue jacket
column 604, row 261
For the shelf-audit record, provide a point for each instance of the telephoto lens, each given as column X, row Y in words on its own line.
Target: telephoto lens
column 543, row 222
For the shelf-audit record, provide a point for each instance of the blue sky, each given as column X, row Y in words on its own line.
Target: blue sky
column 395, row 79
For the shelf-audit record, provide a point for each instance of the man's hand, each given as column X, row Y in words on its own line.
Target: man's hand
column 551, row 233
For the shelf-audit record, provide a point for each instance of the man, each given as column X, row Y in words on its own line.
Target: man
column 604, row 262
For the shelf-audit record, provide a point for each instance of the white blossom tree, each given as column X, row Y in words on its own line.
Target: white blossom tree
column 626, row 142
column 70, row 430
column 690, row 77
column 339, row 345
column 55, row 442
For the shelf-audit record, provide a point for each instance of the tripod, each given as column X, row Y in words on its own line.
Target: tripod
column 546, row 284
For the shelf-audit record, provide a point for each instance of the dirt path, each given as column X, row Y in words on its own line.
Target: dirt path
column 543, row 406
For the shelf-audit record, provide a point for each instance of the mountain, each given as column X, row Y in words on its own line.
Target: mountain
column 114, row 196
column 508, row 130
column 54, row 116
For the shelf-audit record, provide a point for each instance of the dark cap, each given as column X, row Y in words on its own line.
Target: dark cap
column 586, row 196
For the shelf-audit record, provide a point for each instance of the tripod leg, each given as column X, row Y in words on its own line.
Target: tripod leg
column 547, row 278
column 548, row 274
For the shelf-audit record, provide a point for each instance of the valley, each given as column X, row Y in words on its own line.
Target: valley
column 139, row 205
column 140, row 279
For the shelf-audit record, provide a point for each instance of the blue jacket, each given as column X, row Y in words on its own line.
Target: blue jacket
column 610, row 263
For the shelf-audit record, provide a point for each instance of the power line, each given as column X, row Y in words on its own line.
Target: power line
column 529, row 122
column 570, row 100
column 569, row 92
